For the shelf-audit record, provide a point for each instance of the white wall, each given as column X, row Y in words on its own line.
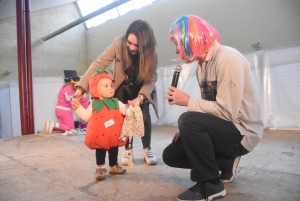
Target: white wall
column 273, row 23
column 66, row 51
column 276, row 74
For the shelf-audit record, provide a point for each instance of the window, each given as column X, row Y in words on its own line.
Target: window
column 88, row 6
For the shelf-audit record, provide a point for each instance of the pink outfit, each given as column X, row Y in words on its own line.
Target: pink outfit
column 63, row 110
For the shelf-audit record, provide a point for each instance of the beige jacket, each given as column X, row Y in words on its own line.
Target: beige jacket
column 113, row 53
column 228, row 91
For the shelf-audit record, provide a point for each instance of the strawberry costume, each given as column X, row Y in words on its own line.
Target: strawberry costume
column 105, row 116
column 104, row 127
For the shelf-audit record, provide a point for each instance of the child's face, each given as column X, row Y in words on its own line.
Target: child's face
column 105, row 89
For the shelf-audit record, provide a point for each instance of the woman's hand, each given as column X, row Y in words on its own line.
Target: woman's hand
column 75, row 103
column 77, row 94
column 176, row 137
column 134, row 101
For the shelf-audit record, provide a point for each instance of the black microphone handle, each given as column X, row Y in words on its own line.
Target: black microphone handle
column 174, row 81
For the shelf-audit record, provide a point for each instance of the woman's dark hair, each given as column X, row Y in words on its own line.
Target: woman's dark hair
column 147, row 49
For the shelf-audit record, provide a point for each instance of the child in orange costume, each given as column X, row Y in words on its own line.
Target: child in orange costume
column 105, row 116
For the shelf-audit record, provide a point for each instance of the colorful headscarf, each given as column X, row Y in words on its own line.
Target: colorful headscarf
column 193, row 36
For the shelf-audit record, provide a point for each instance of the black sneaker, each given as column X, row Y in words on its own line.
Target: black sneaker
column 203, row 191
column 228, row 175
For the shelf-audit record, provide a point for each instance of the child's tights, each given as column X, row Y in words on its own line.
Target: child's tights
column 112, row 156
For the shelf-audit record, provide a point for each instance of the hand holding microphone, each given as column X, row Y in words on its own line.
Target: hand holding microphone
column 177, row 70
column 176, row 96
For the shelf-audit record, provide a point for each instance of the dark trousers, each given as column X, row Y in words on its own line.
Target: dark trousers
column 112, row 156
column 146, row 139
column 206, row 142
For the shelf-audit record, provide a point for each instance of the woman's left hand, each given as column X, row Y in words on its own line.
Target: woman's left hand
column 134, row 101
column 75, row 103
column 77, row 94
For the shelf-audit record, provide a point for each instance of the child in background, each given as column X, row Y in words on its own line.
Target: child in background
column 105, row 116
column 63, row 110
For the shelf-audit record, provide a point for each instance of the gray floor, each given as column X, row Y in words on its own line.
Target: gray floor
column 55, row 167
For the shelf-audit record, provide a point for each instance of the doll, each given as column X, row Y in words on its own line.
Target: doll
column 105, row 116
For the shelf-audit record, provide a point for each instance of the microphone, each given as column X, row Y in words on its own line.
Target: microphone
column 176, row 74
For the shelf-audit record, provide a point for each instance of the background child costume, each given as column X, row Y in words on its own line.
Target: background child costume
column 63, row 110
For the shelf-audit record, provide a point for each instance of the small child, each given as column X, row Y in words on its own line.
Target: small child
column 63, row 110
column 105, row 116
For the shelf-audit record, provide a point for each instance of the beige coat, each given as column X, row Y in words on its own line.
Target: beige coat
column 228, row 91
column 113, row 52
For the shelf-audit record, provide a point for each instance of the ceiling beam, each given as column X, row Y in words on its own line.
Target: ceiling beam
column 85, row 18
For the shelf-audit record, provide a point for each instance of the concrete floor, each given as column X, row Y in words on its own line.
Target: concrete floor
column 54, row 167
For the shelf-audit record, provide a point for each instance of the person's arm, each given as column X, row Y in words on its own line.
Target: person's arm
column 230, row 86
column 84, row 101
column 103, row 61
column 84, row 114
column 122, row 107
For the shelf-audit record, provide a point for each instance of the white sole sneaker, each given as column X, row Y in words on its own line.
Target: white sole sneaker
column 149, row 157
column 127, row 157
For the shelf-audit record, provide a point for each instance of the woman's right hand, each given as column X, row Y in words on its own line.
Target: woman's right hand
column 176, row 137
column 77, row 94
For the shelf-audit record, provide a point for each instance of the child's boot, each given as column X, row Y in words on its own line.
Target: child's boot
column 117, row 169
column 100, row 173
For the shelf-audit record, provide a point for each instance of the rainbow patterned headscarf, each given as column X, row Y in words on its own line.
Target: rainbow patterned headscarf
column 193, row 36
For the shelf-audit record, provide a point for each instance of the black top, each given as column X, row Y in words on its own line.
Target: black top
column 130, row 88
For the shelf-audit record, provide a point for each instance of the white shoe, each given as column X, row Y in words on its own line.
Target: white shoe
column 80, row 132
column 149, row 157
column 65, row 133
column 73, row 132
column 127, row 157
column 49, row 126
